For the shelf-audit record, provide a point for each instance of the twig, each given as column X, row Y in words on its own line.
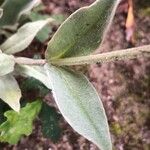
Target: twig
column 29, row 61
column 125, row 54
column 104, row 57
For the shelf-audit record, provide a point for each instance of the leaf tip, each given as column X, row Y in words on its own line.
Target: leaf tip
column 15, row 106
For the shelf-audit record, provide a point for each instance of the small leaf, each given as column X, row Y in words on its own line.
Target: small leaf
column 50, row 125
column 80, row 105
column 34, row 86
column 18, row 124
column 83, row 31
column 10, row 92
column 44, row 33
column 23, row 37
column 13, row 9
column 37, row 72
column 6, row 64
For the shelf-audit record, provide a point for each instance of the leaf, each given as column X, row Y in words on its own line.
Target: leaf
column 34, row 86
column 37, row 72
column 1, row 12
column 10, row 92
column 80, row 105
column 44, row 33
column 59, row 18
column 13, row 9
column 6, row 64
column 18, row 124
column 50, row 122
column 83, row 31
column 23, row 37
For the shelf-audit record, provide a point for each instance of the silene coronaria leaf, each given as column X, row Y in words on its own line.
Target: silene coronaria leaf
column 24, row 36
column 6, row 64
column 83, row 31
column 10, row 92
column 80, row 105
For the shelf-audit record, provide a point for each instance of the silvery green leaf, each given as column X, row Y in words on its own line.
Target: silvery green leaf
column 80, row 105
column 37, row 72
column 6, row 64
column 83, row 31
column 13, row 9
column 23, row 37
column 10, row 92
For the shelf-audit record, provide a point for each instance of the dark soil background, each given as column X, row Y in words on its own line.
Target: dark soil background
column 124, row 86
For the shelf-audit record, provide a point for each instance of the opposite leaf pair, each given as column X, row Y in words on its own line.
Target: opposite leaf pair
column 76, row 98
column 74, row 95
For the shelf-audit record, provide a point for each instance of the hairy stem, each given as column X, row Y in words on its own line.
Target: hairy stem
column 130, row 53
column 125, row 54
column 29, row 61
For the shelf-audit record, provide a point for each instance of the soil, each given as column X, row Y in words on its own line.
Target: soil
column 124, row 87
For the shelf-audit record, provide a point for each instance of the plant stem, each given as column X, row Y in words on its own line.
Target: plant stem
column 29, row 61
column 125, row 54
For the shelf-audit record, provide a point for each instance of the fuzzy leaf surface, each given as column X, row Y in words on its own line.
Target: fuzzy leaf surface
column 80, row 105
column 83, row 31
column 6, row 64
column 23, row 37
column 18, row 124
column 10, row 92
